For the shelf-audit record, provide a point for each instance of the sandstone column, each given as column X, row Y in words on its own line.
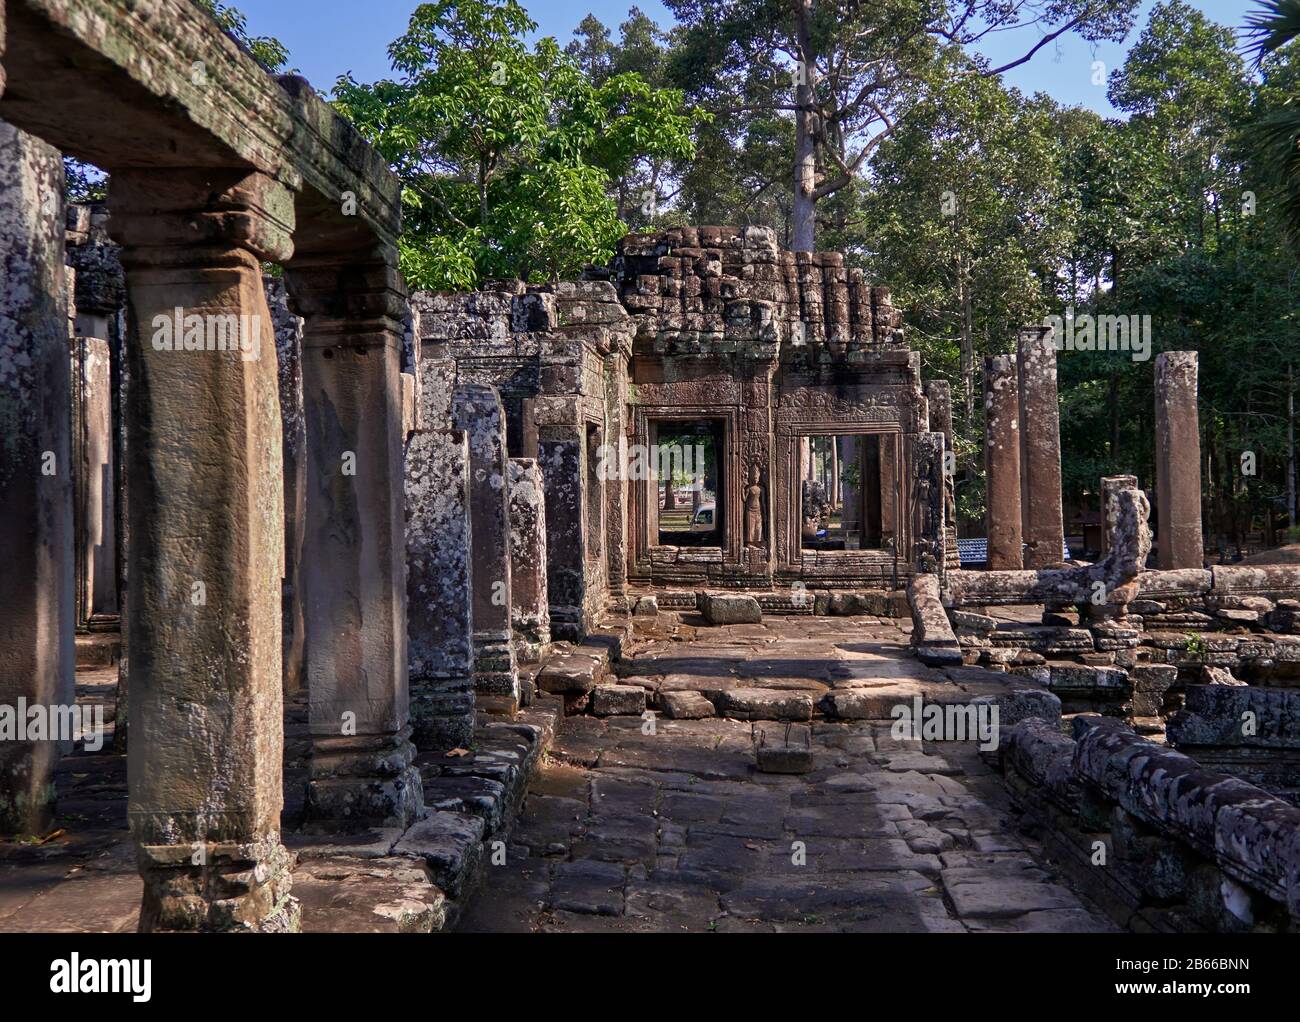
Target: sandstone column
column 530, row 612
column 851, row 484
column 561, row 449
column 1042, row 523
column 1111, row 487
column 476, row 410
column 438, row 559
column 99, row 297
column 928, row 506
column 206, row 549
column 288, row 350
column 890, row 508
column 36, row 553
column 354, row 547
column 1002, row 462
column 1178, row 462
column 938, row 396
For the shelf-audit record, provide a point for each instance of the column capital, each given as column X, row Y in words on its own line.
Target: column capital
column 348, row 293
column 183, row 217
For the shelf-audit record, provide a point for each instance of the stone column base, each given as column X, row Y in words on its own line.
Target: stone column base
column 232, row 887
column 495, row 670
column 442, row 713
column 359, row 782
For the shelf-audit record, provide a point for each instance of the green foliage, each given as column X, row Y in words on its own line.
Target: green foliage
column 266, row 50
column 508, row 155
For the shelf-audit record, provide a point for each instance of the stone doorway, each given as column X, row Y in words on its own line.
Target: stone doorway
column 841, row 492
column 688, row 487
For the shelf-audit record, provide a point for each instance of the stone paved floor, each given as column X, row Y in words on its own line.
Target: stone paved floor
column 625, row 831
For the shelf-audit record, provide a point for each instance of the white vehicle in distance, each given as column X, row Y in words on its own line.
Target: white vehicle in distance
column 702, row 520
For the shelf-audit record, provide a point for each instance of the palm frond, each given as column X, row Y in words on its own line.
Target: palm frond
column 1273, row 26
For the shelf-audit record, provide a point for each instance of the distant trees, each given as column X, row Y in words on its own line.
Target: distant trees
column 510, row 156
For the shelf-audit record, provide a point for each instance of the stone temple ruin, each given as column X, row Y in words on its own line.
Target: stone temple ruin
column 349, row 560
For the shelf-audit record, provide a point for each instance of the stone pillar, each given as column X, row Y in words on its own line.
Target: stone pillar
column 1042, row 523
column 206, row 550
column 1111, row 487
column 938, row 396
column 851, row 483
column 530, row 611
column 928, row 503
column 354, row 546
column 616, row 488
column 562, row 458
column 92, row 417
column 1002, row 463
column 477, row 411
column 36, row 552
column 99, row 298
column 438, row 559
column 288, row 350
column 889, row 502
column 1178, row 463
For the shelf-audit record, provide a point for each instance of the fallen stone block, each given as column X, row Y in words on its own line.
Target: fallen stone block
column 449, row 845
column 730, row 609
column 647, row 606
column 617, row 700
column 384, row 895
column 784, row 750
column 685, row 706
column 569, row 673
column 765, row 704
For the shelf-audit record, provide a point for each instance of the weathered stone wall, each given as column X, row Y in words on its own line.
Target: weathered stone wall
column 779, row 346
column 1161, row 842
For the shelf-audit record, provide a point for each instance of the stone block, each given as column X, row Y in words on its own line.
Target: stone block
column 617, row 700
column 728, row 609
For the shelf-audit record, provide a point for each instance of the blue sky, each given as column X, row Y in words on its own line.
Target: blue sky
column 328, row 37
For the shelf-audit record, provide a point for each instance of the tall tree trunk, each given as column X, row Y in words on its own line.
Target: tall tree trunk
column 1290, row 446
column 804, row 230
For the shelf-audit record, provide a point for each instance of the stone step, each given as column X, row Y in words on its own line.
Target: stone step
column 99, row 649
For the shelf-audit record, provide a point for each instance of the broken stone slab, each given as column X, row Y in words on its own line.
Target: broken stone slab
column 570, row 673
column 973, row 622
column 784, row 750
column 730, row 609
column 1215, row 676
column 449, row 845
column 617, row 700
column 1022, row 704
column 933, row 639
column 686, row 706
column 381, row 895
column 1081, row 677
column 646, row 606
column 765, row 704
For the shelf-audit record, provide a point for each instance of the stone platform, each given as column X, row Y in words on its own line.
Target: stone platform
column 663, row 825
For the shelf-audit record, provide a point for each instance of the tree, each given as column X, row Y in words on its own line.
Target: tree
column 852, row 68
column 964, row 211
column 268, row 51
column 507, row 154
